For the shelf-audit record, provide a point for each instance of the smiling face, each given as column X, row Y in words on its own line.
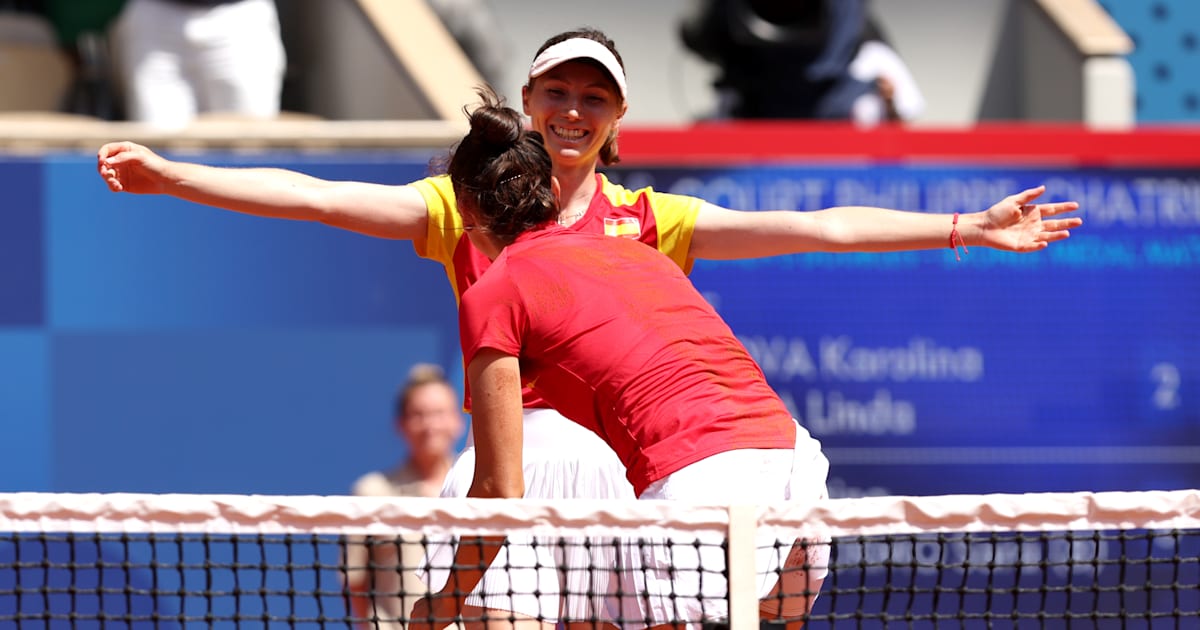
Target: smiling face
column 577, row 107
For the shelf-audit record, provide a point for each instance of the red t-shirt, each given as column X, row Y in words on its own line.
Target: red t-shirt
column 614, row 336
column 663, row 221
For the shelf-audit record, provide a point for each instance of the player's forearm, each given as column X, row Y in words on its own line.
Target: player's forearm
column 723, row 234
column 268, row 192
column 868, row 229
column 472, row 557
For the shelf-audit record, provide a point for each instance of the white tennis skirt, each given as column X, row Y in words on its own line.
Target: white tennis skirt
column 683, row 579
column 562, row 460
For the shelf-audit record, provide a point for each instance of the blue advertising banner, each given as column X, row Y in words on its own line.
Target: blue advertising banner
column 1073, row 368
column 21, row 289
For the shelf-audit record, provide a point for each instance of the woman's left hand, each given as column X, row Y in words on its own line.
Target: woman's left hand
column 1016, row 224
column 434, row 612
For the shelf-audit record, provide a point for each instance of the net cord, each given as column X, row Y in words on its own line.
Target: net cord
column 261, row 514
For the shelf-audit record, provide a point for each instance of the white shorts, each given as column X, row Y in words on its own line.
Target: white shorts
column 178, row 60
column 562, row 460
column 683, row 580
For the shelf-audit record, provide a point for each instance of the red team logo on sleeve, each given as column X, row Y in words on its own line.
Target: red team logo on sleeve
column 624, row 227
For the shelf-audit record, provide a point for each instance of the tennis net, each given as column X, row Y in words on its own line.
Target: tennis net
column 1062, row 561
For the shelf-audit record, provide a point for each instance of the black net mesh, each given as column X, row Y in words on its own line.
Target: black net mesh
column 1135, row 578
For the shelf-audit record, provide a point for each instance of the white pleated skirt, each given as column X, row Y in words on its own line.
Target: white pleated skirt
column 554, row 579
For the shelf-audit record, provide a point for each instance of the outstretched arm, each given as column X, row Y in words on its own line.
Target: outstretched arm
column 1015, row 224
column 374, row 209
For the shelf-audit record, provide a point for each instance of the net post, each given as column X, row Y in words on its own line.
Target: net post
column 743, row 596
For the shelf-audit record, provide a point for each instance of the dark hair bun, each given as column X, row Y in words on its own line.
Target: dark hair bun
column 501, row 172
column 494, row 128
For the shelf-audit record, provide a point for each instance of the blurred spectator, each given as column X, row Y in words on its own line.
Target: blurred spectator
column 896, row 97
column 34, row 70
column 428, row 416
column 181, row 58
column 473, row 26
column 82, row 28
column 796, row 59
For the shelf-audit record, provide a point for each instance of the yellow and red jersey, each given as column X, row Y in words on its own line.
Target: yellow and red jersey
column 662, row 220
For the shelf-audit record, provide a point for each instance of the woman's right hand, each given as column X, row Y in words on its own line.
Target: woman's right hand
column 131, row 167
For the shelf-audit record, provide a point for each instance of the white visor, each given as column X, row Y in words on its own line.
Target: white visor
column 579, row 48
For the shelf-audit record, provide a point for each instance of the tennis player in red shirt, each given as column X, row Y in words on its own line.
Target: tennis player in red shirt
column 614, row 336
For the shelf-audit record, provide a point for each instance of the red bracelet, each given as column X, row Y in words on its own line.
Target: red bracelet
column 956, row 239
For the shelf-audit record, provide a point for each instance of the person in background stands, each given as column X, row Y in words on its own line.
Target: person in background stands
column 806, row 59
column 180, row 58
column 380, row 573
column 83, row 33
column 896, row 97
